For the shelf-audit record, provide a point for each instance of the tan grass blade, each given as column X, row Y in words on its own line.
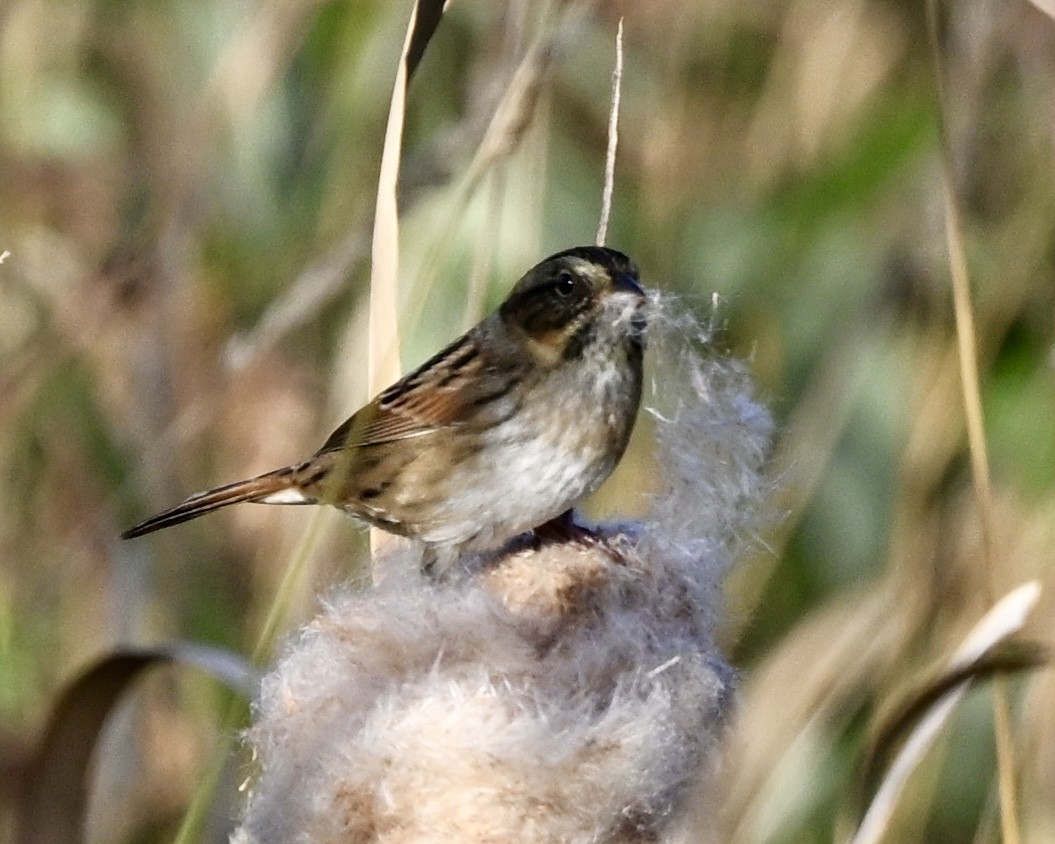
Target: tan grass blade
column 383, row 346
column 1006, row 617
column 383, row 342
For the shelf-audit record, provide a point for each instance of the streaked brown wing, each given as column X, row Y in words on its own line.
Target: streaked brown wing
column 428, row 399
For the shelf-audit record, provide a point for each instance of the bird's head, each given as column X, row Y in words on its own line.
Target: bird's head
column 585, row 295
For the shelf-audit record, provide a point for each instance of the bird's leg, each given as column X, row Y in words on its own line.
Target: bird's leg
column 564, row 528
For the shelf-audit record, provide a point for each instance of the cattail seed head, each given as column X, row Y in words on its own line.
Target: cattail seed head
column 564, row 692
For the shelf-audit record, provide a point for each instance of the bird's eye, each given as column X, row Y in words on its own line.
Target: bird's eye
column 565, row 284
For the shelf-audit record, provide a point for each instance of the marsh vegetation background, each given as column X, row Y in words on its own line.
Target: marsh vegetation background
column 186, row 196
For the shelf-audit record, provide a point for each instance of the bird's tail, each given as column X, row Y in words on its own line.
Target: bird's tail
column 276, row 487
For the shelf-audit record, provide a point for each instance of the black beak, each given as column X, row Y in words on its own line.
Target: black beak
column 625, row 283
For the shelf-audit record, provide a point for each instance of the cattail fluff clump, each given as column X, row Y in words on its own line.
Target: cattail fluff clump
column 560, row 693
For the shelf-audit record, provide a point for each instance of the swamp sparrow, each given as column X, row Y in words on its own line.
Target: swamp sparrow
column 501, row 432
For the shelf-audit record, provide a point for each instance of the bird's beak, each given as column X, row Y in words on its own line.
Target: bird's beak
column 624, row 283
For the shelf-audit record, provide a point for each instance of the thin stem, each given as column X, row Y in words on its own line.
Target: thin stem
column 968, row 355
column 613, row 138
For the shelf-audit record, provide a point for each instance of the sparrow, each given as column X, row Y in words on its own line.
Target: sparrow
column 502, row 432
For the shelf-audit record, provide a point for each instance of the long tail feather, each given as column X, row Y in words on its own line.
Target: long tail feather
column 255, row 489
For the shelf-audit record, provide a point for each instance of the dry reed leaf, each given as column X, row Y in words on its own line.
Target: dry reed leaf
column 1005, row 657
column 1006, row 617
column 826, row 661
column 1046, row 6
column 54, row 796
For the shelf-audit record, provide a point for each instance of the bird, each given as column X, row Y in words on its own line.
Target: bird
column 500, row 433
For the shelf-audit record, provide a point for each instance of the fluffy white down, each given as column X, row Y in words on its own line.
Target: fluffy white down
column 560, row 694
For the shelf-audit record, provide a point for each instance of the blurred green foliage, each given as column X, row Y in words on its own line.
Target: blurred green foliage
column 173, row 174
